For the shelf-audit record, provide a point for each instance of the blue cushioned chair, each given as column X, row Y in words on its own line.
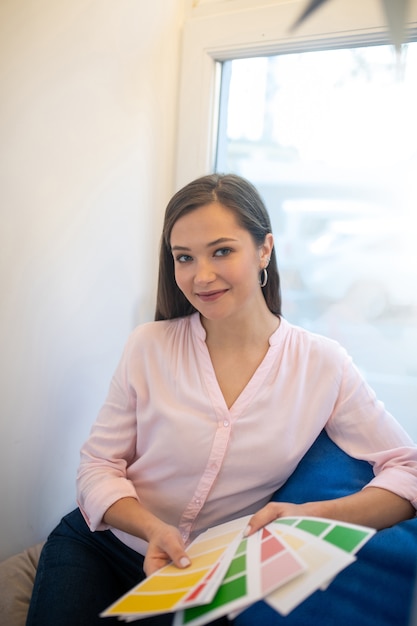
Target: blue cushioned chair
column 376, row 590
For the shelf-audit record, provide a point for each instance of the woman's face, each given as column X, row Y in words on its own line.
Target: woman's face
column 217, row 262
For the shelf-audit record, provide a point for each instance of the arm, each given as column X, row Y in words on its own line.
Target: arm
column 125, row 460
column 165, row 541
column 374, row 507
column 359, row 425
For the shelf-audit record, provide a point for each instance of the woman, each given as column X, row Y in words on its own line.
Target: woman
column 210, row 410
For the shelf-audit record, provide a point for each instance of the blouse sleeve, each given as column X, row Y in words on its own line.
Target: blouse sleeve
column 363, row 428
column 109, row 449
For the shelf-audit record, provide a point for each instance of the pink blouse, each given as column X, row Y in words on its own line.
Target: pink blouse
column 166, row 436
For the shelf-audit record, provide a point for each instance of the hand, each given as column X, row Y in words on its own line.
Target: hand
column 165, row 541
column 271, row 512
column 165, row 546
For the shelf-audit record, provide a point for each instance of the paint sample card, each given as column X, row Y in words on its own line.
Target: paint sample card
column 278, row 563
column 261, row 563
column 171, row 589
column 283, row 563
column 347, row 537
column 327, row 547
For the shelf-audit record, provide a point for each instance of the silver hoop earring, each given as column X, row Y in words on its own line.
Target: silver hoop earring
column 263, row 278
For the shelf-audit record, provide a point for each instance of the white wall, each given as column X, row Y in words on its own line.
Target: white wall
column 87, row 133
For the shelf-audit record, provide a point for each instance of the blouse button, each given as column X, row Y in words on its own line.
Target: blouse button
column 226, row 423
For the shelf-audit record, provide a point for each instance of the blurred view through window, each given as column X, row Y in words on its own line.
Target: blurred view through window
column 330, row 140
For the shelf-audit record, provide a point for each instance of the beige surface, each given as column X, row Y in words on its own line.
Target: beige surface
column 17, row 574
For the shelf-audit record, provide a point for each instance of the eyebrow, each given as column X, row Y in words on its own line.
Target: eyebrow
column 216, row 242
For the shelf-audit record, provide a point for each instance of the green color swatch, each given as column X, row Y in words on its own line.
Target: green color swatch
column 314, row 527
column 345, row 538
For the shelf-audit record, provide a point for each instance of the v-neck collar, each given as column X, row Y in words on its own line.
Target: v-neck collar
column 209, row 376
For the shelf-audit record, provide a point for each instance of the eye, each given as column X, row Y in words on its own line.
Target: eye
column 183, row 258
column 223, row 252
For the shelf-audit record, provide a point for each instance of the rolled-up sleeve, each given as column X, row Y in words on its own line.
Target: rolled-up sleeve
column 362, row 427
column 104, row 458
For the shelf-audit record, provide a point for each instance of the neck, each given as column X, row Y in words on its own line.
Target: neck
column 242, row 331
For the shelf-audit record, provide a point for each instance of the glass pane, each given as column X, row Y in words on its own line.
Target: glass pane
column 329, row 138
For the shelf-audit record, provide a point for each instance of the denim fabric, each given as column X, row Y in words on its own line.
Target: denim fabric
column 81, row 573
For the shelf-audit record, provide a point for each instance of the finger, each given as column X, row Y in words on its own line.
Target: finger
column 268, row 514
column 181, row 559
column 177, row 553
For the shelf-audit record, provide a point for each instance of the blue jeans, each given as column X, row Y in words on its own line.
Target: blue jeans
column 80, row 573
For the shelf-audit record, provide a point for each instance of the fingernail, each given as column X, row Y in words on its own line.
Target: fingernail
column 185, row 562
column 247, row 531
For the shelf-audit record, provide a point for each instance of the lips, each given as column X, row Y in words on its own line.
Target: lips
column 211, row 296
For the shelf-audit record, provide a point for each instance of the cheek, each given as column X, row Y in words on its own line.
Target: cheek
column 248, row 272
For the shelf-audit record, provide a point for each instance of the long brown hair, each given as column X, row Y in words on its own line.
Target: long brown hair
column 234, row 193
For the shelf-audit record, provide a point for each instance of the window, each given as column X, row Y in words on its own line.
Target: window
column 329, row 139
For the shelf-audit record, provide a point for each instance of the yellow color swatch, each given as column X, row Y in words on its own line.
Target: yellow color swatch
column 181, row 580
column 212, row 543
column 143, row 603
column 294, row 542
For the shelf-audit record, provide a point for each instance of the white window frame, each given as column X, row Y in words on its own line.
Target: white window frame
column 220, row 30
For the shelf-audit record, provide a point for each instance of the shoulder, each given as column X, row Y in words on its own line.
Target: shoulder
column 309, row 355
column 159, row 334
column 316, row 360
column 306, row 343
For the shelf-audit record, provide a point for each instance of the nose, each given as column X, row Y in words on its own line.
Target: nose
column 204, row 273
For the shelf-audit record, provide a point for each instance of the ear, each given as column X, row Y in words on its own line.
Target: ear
column 265, row 250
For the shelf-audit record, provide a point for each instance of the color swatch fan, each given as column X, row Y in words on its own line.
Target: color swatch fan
column 171, row 589
column 261, row 564
column 283, row 564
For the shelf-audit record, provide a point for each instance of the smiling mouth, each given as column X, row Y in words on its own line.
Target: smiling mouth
column 209, row 296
